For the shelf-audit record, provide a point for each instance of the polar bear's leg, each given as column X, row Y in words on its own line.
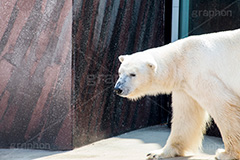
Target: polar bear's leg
column 228, row 121
column 222, row 154
column 224, row 107
column 188, row 122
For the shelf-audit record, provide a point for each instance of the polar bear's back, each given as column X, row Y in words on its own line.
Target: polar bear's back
column 218, row 54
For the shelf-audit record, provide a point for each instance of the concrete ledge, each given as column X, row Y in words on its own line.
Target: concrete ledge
column 129, row 146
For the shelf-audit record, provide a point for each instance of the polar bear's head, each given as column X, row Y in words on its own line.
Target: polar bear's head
column 135, row 75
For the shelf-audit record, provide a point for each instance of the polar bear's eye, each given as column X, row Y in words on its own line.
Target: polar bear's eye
column 132, row 75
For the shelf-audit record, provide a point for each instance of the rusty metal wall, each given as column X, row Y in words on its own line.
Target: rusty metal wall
column 35, row 74
column 103, row 30
column 58, row 65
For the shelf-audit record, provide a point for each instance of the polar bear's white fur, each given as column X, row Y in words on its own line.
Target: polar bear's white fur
column 203, row 75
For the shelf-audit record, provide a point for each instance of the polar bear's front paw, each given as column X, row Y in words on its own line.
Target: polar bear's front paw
column 162, row 153
column 222, row 155
column 154, row 155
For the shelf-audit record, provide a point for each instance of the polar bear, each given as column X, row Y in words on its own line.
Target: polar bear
column 203, row 74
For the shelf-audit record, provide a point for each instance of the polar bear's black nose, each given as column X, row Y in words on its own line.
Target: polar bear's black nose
column 117, row 90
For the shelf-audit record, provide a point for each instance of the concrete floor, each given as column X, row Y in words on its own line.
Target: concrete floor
column 130, row 146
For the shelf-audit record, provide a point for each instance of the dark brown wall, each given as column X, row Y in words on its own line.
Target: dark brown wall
column 35, row 74
column 102, row 31
column 58, row 69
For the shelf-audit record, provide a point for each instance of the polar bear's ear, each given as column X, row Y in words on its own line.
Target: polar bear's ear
column 153, row 66
column 121, row 58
